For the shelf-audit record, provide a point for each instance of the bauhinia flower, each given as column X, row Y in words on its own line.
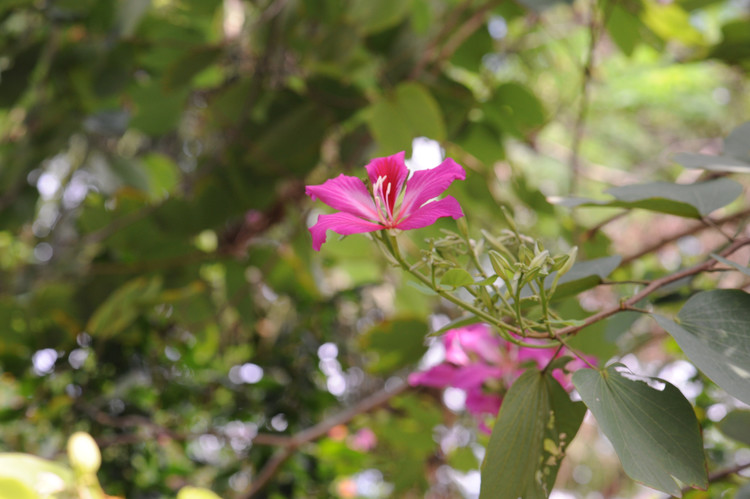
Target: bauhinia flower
column 395, row 201
column 484, row 366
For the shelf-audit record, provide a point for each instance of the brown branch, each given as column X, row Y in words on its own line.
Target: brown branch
column 273, row 465
column 580, row 123
column 655, row 284
column 473, row 23
column 720, row 475
column 687, row 232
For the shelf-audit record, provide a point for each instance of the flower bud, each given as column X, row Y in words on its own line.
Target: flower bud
column 500, row 265
column 568, row 264
column 83, row 453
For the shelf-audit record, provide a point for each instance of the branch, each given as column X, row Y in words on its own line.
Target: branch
column 578, row 127
column 687, row 232
column 463, row 32
column 315, row 432
column 656, row 284
column 720, row 475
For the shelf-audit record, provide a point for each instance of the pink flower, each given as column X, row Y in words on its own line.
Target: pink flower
column 386, row 207
column 364, row 440
column 484, row 366
column 475, row 339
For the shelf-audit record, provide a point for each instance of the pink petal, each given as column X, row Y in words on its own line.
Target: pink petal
column 395, row 172
column 474, row 375
column 454, row 351
column 341, row 223
column 428, row 184
column 478, row 402
column 478, row 339
column 347, row 194
column 429, row 213
column 438, row 376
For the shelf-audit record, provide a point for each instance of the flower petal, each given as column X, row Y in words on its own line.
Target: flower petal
column 395, row 172
column 438, row 376
column 477, row 339
column 347, row 194
column 427, row 184
column 474, row 375
column 341, row 223
column 478, row 402
column 429, row 213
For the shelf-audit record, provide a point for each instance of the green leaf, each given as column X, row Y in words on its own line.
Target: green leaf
column 713, row 329
column 409, row 112
column 456, row 278
column 122, row 307
column 624, row 27
column 163, row 174
column 741, row 268
column 691, row 200
column 30, row 473
column 196, row 493
column 670, row 22
column 651, row 425
column 372, row 17
column 515, row 110
column 737, row 144
column 157, row 112
column 395, row 343
column 182, row 71
column 736, row 425
column 713, row 163
column 536, row 423
column 583, row 275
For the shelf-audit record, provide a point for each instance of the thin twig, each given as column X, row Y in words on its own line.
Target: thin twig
column 580, row 123
column 656, row 284
column 687, row 232
column 273, row 465
column 720, row 475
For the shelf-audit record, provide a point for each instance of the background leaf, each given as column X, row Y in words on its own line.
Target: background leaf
column 685, row 200
column 736, row 425
column 713, row 329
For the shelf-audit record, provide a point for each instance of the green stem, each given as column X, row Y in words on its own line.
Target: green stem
column 391, row 244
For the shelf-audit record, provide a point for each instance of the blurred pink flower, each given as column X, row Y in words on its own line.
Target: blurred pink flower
column 385, row 207
column 484, row 366
column 364, row 440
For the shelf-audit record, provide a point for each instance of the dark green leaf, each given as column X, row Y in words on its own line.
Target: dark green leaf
column 395, row 343
column 515, row 110
column 122, row 307
column 537, row 421
column 737, row 144
column 181, row 71
column 713, row 163
column 736, row 425
column 407, row 113
column 372, row 17
column 651, row 425
column 713, row 329
column 691, row 200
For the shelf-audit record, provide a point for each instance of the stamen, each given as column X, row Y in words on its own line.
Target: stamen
column 377, row 194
